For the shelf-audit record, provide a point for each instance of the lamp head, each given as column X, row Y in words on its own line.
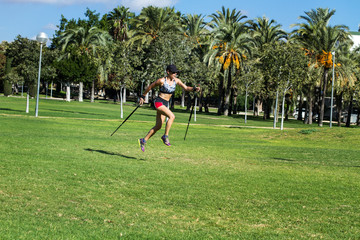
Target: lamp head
column 42, row 38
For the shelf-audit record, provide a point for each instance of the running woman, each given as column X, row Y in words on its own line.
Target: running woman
column 167, row 88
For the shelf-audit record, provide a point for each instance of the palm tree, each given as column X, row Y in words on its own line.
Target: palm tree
column 84, row 41
column 346, row 68
column 119, row 18
column 320, row 39
column 151, row 23
column 230, row 44
column 265, row 33
column 194, row 28
column 195, row 32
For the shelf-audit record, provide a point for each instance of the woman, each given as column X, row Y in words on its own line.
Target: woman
column 167, row 88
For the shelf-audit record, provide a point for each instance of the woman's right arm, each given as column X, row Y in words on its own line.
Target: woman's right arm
column 151, row 86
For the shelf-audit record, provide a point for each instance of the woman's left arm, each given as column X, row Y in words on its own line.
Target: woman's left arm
column 186, row 88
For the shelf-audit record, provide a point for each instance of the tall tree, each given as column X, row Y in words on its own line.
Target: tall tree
column 265, row 33
column 83, row 41
column 230, row 43
column 151, row 23
column 319, row 38
column 119, row 18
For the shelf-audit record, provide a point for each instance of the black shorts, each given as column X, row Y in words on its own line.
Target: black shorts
column 158, row 102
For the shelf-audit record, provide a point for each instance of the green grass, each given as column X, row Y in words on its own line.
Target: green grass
column 63, row 177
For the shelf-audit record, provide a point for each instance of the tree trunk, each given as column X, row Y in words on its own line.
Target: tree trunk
column 121, row 104
column 27, row 101
column 227, row 94
column 188, row 103
column 68, row 92
column 282, row 111
column 338, row 100
column 81, row 92
column 201, row 98
column 323, row 94
column 301, row 103
column 246, row 96
column 288, row 102
column 257, row 108
column 221, row 93
column 183, row 98
column 206, row 106
column 124, row 96
column 348, row 120
column 234, row 105
column 276, row 109
column 92, row 97
column 267, row 108
column 310, row 102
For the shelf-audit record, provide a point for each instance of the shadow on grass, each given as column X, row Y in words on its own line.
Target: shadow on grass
column 330, row 165
column 110, row 153
column 284, row 159
column 8, row 109
column 85, row 113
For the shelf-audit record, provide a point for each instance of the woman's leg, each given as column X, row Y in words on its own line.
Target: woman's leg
column 164, row 111
column 159, row 121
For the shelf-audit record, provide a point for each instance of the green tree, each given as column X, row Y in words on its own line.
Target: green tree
column 151, row 23
column 24, row 56
column 83, row 41
column 2, row 64
column 230, row 45
column 319, row 38
column 119, row 20
column 265, row 33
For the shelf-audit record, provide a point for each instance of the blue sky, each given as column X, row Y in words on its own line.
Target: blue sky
column 29, row 17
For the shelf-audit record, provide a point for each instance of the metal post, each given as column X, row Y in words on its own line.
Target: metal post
column 38, row 85
column 332, row 90
column 195, row 108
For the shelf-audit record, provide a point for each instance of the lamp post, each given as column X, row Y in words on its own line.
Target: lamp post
column 42, row 39
column 332, row 89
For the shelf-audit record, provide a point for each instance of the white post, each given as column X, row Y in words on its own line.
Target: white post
column 332, row 89
column 38, row 85
column 27, row 101
column 121, row 103
column 282, row 112
column 275, row 110
column 124, row 97
column 51, row 89
column 195, row 109
column 42, row 39
column 68, row 92
column 246, row 95
column 81, row 93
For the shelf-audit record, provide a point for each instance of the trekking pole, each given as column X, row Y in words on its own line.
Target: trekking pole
column 192, row 109
column 126, row 119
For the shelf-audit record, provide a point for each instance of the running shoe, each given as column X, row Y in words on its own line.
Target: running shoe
column 142, row 144
column 165, row 140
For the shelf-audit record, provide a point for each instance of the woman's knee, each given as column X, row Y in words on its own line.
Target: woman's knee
column 157, row 127
column 172, row 116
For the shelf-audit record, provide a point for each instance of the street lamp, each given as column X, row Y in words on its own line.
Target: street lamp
column 42, row 39
column 332, row 88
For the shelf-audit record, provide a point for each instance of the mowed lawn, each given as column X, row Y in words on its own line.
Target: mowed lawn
column 63, row 177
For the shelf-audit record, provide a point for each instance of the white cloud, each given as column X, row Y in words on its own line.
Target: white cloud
column 51, row 26
column 134, row 5
column 137, row 5
column 61, row 2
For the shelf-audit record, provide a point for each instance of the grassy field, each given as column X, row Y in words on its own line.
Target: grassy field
column 63, row 177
